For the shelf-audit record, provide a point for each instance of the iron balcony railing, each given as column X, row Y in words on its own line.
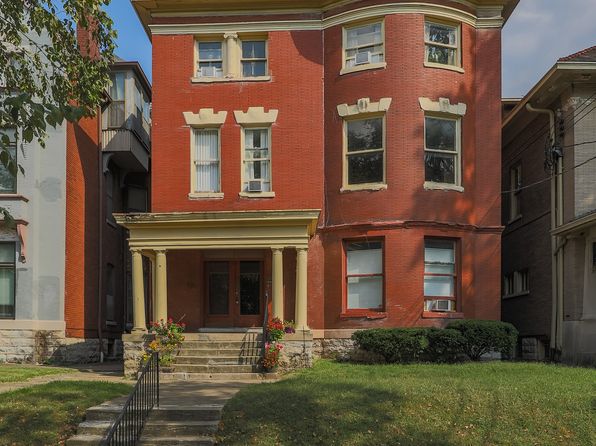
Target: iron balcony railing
column 129, row 424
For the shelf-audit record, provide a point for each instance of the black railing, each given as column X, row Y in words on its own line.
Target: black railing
column 265, row 323
column 145, row 395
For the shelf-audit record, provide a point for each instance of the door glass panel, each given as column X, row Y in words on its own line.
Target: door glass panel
column 219, row 287
column 250, row 288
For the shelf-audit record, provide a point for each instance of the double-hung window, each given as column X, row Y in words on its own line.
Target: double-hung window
column 442, row 43
column 442, row 150
column 364, row 274
column 210, row 60
column 257, row 160
column 517, row 283
column 206, row 160
column 440, row 275
column 254, row 58
column 365, row 151
column 515, row 184
column 8, row 172
column 7, row 280
column 363, row 45
column 117, row 108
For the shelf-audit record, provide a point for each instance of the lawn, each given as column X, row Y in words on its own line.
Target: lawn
column 47, row 414
column 495, row 403
column 14, row 373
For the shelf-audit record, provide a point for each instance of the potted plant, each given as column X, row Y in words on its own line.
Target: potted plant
column 168, row 338
column 271, row 358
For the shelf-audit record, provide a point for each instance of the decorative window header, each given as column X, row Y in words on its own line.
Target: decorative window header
column 442, row 106
column 256, row 116
column 362, row 106
column 205, row 118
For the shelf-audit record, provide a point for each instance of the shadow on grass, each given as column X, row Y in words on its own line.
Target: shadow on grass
column 342, row 413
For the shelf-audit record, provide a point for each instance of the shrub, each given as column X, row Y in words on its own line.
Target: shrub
column 444, row 345
column 393, row 344
column 481, row 337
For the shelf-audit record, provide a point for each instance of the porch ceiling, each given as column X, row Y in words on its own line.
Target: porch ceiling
column 220, row 230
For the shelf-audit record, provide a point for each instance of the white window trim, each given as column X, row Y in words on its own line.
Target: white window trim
column 364, row 67
column 242, row 59
column 243, row 193
column 457, row 186
column 458, row 47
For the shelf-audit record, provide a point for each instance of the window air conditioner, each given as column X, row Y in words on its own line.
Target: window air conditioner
column 363, row 58
column 255, row 186
column 443, row 305
column 208, row 71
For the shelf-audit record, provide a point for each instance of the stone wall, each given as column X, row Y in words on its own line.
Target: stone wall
column 134, row 346
column 343, row 349
column 297, row 352
column 40, row 346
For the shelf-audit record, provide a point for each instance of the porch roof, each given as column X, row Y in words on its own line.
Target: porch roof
column 220, row 230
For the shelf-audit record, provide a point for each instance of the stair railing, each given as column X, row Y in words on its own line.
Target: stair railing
column 265, row 323
column 127, row 428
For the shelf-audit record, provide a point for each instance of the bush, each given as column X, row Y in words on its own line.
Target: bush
column 393, row 344
column 444, row 345
column 480, row 337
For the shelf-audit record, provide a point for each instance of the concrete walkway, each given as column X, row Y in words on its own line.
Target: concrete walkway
column 107, row 371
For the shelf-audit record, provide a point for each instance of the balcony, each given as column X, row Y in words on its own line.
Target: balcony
column 128, row 149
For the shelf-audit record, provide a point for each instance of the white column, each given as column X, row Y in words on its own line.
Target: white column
column 138, row 293
column 161, row 285
column 301, row 289
column 277, row 268
column 232, row 58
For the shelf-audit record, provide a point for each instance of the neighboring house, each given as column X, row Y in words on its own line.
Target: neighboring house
column 340, row 159
column 52, row 303
column 549, row 209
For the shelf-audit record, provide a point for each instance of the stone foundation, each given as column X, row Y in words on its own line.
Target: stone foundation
column 134, row 347
column 297, row 352
column 40, row 346
column 343, row 349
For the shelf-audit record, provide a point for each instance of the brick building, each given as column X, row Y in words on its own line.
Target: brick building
column 549, row 242
column 339, row 160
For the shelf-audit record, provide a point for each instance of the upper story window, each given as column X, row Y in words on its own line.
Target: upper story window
column 8, row 179
column 117, row 108
column 442, row 44
column 363, row 47
column 210, row 60
column 442, row 150
column 516, row 283
column 365, row 151
column 206, row 160
column 257, row 161
column 440, row 275
column 254, row 58
column 7, row 280
column 364, row 275
column 515, row 184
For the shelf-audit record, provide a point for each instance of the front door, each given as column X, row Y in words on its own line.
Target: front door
column 234, row 292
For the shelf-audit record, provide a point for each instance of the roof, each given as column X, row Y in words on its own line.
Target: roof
column 586, row 55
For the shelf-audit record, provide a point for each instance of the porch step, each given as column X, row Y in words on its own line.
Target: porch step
column 185, row 376
column 186, row 413
column 177, row 440
column 212, row 352
column 217, row 360
column 215, row 368
column 236, row 345
column 85, row 440
column 94, row 427
column 155, row 427
column 103, row 412
column 215, row 336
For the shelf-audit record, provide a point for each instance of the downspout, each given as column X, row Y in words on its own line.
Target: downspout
column 100, row 237
column 556, row 219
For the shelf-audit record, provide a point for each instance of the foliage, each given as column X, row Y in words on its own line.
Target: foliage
column 444, row 345
column 394, row 344
column 481, row 337
column 44, row 78
column 271, row 359
column 168, row 338
column 277, row 329
column 47, row 414
column 476, row 403
column 15, row 373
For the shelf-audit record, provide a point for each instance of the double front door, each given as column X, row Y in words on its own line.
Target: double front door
column 234, row 293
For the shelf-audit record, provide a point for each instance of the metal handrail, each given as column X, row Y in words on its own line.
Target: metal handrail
column 265, row 321
column 128, row 425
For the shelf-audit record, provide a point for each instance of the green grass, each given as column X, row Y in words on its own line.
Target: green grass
column 47, row 414
column 15, row 373
column 424, row 404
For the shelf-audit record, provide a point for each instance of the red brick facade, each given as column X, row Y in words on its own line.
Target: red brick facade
column 307, row 156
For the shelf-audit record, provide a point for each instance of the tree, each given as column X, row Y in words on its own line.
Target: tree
column 44, row 76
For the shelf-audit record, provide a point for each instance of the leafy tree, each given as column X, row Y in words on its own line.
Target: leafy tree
column 44, row 76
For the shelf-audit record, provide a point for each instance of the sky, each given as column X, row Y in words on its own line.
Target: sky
column 535, row 36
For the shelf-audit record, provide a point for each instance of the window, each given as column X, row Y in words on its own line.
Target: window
column 364, row 275
column 254, row 58
column 440, row 275
column 110, row 196
column 257, row 161
column 116, row 110
column 363, row 45
column 441, row 150
column 515, row 184
column 206, row 160
column 7, row 280
column 210, row 61
column 365, row 152
column 110, row 293
column 516, row 283
column 441, row 43
column 8, row 174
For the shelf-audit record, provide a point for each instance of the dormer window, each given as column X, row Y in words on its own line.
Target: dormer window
column 210, row 62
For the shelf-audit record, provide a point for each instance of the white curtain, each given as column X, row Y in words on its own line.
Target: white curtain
column 207, row 160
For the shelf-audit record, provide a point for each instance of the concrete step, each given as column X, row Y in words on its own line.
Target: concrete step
column 224, row 336
column 94, row 427
column 84, row 440
column 103, row 412
column 217, row 345
column 210, row 352
column 177, row 440
column 217, row 360
column 184, row 376
column 197, row 412
column 155, row 427
column 216, row 368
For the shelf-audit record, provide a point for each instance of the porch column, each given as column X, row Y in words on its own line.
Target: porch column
column 277, row 271
column 161, row 285
column 301, row 287
column 153, row 292
column 138, row 293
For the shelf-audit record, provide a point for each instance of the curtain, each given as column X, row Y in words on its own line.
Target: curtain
column 207, row 160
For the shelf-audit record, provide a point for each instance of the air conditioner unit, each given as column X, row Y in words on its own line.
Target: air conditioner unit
column 442, row 305
column 255, row 186
column 208, row 72
column 363, row 58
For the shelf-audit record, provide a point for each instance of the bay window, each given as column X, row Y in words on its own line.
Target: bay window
column 440, row 275
column 117, row 108
column 442, row 150
column 363, row 46
column 365, row 151
column 364, row 274
column 442, row 43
